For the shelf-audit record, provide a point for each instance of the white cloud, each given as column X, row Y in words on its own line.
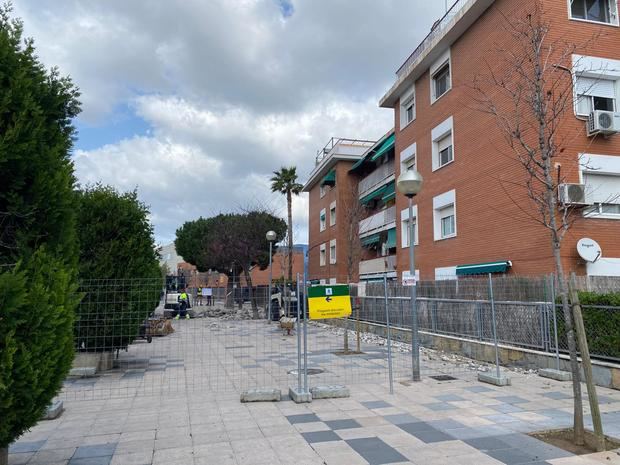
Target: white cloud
column 232, row 90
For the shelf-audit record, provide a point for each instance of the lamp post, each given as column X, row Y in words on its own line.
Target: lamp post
column 271, row 236
column 409, row 184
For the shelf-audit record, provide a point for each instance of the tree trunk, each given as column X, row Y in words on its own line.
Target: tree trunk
column 248, row 281
column 4, row 456
column 587, row 367
column 572, row 351
column 230, row 301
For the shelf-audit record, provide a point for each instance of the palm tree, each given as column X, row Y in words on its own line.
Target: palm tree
column 284, row 181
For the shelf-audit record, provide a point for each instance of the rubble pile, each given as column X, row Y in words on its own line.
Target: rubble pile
column 426, row 354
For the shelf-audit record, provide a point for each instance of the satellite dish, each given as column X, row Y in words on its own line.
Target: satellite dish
column 589, row 250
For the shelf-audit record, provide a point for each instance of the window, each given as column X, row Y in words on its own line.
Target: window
column 443, row 144
column 332, row 214
column 448, row 227
column 444, row 215
column 408, row 158
column 441, row 81
column 407, row 107
column 322, row 258
column 322, row 190
column 600, row 11
column 603, row 191
column 322, row 221
column 405, row 228
column 332, row 251
column 595, row 94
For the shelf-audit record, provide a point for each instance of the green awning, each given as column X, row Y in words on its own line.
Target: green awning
column 329, row 179
column 373, row 195
column 483, row 268
column 391, row 239
column 387, row 145
column 358, row 163
column 390, row 192
column 370, row 240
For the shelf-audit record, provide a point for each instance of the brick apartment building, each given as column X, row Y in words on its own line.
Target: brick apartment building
column 473, row 208
column 470, row 210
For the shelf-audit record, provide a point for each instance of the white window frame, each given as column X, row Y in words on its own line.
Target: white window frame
column 445, row 273
column 406, row 99
column 322, row 220
column 441, row 203
column 595, row 68
column 444, row 214
column 333, row 257
column 438, row 65
column 332, row 218
column 404, row 227
column 613, row 15
column 440, row 132
column 407, row 156
column 605, row 165
column 322, row 255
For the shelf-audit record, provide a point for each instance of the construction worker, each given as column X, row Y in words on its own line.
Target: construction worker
column 183, row 305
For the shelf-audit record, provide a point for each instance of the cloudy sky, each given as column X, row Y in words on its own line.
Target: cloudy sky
column 196, row 102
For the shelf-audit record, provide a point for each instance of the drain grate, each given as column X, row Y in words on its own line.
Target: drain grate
column 311, row 371
column 443, row 378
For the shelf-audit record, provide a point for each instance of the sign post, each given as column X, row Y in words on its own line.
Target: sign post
column 329, row 302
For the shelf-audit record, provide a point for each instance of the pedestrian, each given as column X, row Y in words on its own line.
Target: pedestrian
column 199, row 296
column 209, row 292
column 183, row 305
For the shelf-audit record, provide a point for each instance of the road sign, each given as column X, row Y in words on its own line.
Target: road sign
column 329, row 302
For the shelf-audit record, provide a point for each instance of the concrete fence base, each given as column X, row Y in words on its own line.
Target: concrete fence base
column 100, row 361
column 605, row 374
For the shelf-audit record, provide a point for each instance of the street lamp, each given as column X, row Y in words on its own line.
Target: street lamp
column 271, row 236
column 409, row 184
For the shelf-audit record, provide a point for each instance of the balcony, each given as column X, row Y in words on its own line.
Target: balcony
column 379, row 176
column 385, row 264
column 385, row 219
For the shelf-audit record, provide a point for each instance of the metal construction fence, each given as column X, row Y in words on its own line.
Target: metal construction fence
column 527, row 312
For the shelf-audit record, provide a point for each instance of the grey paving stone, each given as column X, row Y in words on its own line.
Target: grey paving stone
column 321, row 436
column 91, row 461
column 401, row 418
column 499, row 418
column 512, row 400
column 467, row 433
column 512, row 456
column 539, row 449
column 478, row 389
column 416, row 427
column 488, row 443
column 440, row 406
column 449, row 398
column 303, row 418
column 97, row 450
column 446, row 424
column 556, row 395
column 506, row 408
column 26, row 446
column 375, row 404
column 21, row 458
column 342, row 424
column 433, row 436
column 375, row 451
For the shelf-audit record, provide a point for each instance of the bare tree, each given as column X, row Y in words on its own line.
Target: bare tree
column 530, row 98
column 351, row 211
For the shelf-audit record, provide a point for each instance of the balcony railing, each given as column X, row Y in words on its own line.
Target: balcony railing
column 378, row 221
column 436, row 31
column 375, row 178
column 378, row 265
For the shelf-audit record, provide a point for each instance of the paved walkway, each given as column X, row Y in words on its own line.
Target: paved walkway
column 427, row 423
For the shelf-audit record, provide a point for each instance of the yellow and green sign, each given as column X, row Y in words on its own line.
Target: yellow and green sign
column 329, row 302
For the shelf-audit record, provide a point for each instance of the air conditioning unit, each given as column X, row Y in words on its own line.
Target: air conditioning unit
column 603, row 122
column 572, row 194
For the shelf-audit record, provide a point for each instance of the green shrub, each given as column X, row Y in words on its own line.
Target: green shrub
column 602, row 325
column 119, row 269
column 37, row 302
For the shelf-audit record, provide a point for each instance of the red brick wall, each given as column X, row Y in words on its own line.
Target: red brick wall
column 341, row 193
column 490, row 225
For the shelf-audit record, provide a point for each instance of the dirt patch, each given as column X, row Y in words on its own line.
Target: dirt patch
column 563, row 438
column 347, row 352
